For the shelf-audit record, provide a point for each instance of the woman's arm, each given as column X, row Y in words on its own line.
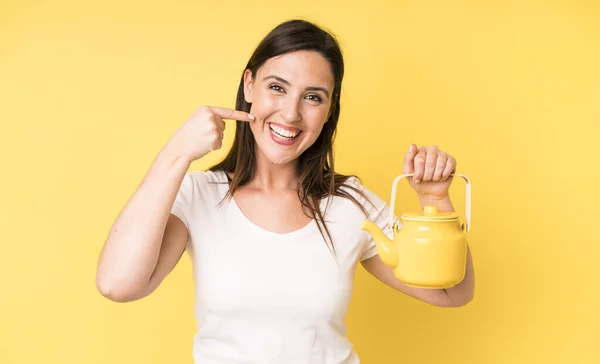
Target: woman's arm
column 145, row 241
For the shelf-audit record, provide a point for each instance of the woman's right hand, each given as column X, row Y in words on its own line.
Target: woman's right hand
column 203, row 131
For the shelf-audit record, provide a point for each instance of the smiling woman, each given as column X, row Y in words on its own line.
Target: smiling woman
column 273, row 230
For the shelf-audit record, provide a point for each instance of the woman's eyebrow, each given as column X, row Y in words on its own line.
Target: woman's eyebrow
column 319, row 89
column 285, row 82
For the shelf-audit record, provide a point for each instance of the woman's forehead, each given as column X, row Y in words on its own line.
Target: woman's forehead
column 301, row 68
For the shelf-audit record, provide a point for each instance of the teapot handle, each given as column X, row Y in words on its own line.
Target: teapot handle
column 467, row 206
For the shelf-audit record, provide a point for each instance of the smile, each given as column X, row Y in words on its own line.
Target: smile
column 284, row 133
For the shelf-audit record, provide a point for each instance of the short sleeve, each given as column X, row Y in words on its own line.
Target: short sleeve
column 183, row 201
column 378, row 212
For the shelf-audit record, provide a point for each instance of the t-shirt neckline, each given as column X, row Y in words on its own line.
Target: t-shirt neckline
column 249, row 223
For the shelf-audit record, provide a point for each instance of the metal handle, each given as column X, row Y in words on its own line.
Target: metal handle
column 468, row 196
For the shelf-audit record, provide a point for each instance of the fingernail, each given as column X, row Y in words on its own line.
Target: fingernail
column 251, row 117
column 417, row 180
column 410, row 149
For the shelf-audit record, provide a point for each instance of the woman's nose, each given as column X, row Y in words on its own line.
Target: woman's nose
column 290, row 110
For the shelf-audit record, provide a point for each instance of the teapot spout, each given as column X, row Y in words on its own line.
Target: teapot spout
column 385, row 246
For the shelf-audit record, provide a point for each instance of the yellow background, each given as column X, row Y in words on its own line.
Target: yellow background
column 90, row 91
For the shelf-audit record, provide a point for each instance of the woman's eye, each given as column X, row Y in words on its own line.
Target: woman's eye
column 276, row 88
column 314, row 98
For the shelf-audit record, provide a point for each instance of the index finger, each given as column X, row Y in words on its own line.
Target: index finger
column 232, row 114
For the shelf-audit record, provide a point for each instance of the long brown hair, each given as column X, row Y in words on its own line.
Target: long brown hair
column 318, row 178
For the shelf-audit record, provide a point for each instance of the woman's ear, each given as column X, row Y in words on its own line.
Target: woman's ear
column 248, row 83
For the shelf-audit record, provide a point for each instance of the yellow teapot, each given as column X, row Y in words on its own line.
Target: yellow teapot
column 430, row 250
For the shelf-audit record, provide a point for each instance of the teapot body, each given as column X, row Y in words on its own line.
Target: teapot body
column 430, row 254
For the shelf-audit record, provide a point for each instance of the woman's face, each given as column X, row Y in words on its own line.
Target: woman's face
column 291, row 96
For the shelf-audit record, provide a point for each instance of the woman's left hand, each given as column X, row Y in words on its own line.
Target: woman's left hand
column 431, row 168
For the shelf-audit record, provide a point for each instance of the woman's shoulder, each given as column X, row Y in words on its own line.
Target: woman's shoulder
column 350, row 181
column 207, row 176
column 203, row 183
column 355, row 187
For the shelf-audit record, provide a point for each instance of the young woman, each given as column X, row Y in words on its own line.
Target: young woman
column 273, row 231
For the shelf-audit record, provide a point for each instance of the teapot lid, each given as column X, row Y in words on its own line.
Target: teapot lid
column 430, row 213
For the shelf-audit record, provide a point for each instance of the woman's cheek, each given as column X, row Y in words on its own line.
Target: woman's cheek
column 264, row 105
column 318, row 116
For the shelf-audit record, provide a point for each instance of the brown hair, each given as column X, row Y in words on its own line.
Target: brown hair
column 318, row 178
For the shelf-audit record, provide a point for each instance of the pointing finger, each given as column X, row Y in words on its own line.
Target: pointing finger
column 232, row 114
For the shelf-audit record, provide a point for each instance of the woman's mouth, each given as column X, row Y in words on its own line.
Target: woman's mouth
column 283, row 135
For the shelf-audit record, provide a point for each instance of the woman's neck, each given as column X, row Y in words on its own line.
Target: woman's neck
column 270, row 177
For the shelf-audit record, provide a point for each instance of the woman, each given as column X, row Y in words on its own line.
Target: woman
column 273, row 231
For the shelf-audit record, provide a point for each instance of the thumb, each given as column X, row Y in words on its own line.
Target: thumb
column 409, row 160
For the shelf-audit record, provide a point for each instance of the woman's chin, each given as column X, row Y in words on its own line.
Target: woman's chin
column 279, row 154
column 276, row 156
column 280, row 159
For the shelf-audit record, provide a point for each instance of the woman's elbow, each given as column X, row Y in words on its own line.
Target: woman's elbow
column 460, row 301
column 116, row 292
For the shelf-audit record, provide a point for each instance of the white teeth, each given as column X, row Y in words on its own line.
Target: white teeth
column 283, row 132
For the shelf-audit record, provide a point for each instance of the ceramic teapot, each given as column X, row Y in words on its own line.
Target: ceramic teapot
column 430, row 249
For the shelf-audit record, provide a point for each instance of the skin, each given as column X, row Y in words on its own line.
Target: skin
column 292, row 91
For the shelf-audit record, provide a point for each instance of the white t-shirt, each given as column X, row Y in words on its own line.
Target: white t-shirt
column 263, row 297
